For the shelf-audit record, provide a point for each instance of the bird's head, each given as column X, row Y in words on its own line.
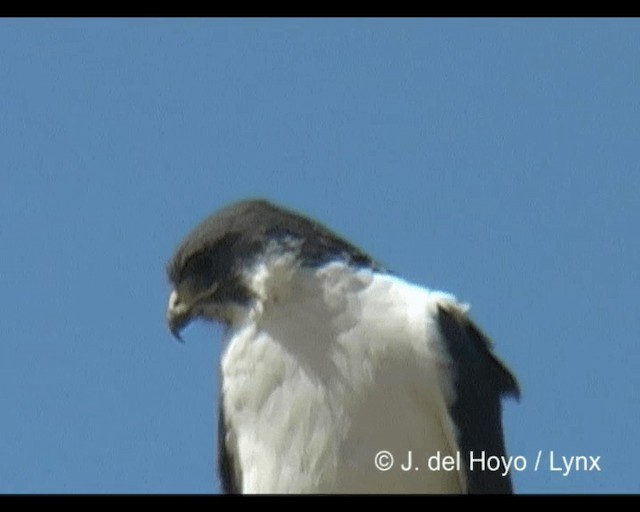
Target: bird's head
column 210, row 271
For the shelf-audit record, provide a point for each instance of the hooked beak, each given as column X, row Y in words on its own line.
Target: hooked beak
column 178, row 315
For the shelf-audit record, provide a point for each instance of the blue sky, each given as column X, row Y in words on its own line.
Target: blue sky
column 495, row 159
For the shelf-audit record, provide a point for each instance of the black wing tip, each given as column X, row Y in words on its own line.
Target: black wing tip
column 504, row 380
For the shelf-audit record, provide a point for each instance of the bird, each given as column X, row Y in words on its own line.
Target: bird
column 336, row 374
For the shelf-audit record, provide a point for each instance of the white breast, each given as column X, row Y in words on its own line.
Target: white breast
column 332, row 367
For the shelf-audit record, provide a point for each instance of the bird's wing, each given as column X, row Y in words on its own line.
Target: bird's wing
column 481, row 379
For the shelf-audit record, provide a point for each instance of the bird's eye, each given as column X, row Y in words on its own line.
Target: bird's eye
column 199, row 271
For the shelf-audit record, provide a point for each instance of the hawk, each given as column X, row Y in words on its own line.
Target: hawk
column 337, row 376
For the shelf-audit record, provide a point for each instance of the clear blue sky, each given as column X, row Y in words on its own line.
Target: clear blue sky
column 498, row 160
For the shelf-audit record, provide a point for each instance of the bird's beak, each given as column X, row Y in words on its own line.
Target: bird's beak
column 178, row 315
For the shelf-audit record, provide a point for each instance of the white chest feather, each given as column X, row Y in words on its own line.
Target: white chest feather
column 332, row 368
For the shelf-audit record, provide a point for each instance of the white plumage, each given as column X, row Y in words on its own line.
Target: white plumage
column 330, row 367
